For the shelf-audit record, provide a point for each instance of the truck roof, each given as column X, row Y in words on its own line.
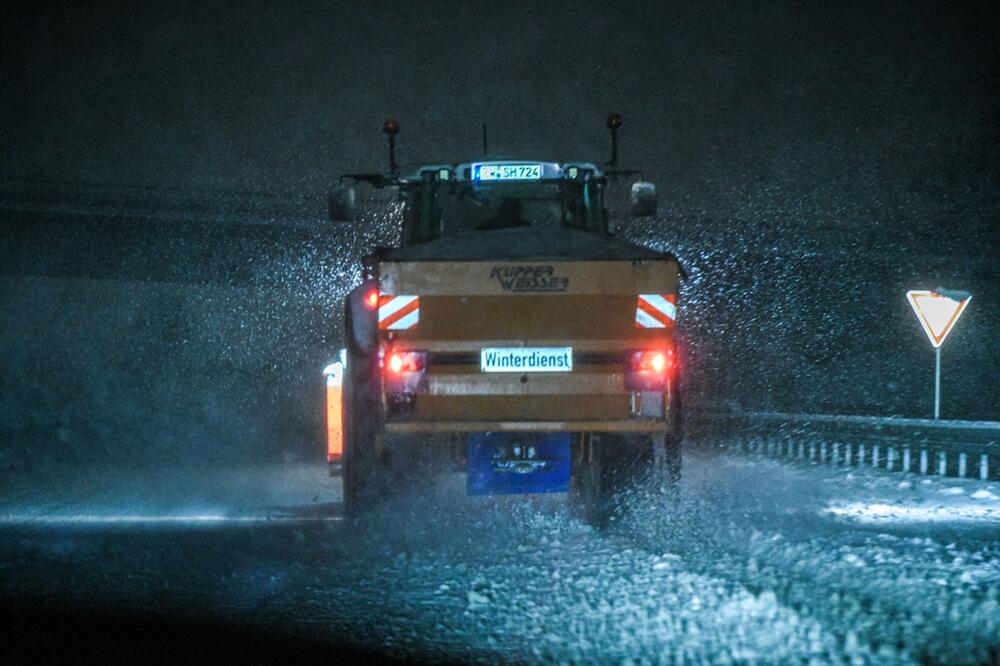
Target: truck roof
column 464, row 171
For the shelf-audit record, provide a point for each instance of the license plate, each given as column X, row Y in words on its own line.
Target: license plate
column 503, row 463
column 526, row 359
column 506, row 171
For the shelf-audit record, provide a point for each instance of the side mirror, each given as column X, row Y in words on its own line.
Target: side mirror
column 643, row 199
column 341, row 200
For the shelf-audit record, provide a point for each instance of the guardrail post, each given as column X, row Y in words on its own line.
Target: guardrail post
column 881, row 443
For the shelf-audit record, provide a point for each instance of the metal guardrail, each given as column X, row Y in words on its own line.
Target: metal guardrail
column 921, row 446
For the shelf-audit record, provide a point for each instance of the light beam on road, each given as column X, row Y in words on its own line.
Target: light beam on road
column 190, row 520
column 895, row 513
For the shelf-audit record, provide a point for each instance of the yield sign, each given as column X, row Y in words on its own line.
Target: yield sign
column 938, row 311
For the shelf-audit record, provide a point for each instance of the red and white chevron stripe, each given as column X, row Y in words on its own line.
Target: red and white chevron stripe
column 398, row 313
column 655, row 310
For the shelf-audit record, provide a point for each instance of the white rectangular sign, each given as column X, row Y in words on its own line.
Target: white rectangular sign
column 506, row 171
column 526, row 359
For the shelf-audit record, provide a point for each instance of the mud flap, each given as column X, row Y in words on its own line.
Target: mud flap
column 502, row 463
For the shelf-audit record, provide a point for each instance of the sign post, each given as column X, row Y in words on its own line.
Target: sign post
column 937, row 311
column 937, row 383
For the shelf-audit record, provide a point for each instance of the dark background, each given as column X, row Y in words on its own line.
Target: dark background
column 170, row 288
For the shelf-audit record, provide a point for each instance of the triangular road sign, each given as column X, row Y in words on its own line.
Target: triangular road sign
column 937, row 311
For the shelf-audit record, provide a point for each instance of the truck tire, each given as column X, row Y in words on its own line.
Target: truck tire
column 672, row 444
column 362, row 473
column 672, row 461
column 616, row 467
column 612, row 467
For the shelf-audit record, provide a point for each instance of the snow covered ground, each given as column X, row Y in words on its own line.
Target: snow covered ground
column 756, row 561
column 109, row 495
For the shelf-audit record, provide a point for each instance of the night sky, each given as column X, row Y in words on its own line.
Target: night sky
column 808, row 110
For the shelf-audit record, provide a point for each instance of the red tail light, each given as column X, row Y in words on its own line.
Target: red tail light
column 371, row 299
column 399, row 363
column 648, row 361
column 648, row 370
column 404, row 378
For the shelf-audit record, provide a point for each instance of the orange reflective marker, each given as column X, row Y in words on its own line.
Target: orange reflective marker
column 398, row 313
column 334, row 416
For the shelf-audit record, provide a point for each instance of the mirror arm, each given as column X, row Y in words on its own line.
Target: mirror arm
column 376, row 180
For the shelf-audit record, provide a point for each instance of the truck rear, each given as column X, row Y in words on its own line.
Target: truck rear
column 511, row 337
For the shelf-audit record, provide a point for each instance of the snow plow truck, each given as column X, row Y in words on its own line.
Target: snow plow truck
column 510, row 336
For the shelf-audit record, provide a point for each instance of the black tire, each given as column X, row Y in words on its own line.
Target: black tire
column 672, row 444
column 607, row 476
column 672, row 460
column 613, row 466
column 363, row 483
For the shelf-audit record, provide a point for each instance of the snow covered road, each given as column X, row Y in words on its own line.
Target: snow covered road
column 757, row 561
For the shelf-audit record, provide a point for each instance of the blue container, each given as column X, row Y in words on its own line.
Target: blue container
column 506, row 463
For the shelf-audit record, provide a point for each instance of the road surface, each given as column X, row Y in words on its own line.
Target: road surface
column 756, row 561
